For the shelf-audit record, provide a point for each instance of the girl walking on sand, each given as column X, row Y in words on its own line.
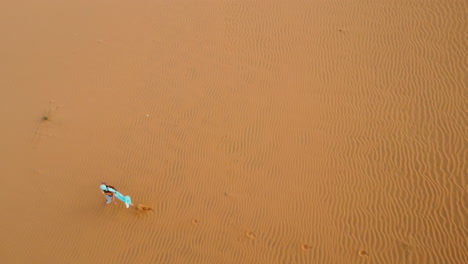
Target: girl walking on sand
column 110, row 192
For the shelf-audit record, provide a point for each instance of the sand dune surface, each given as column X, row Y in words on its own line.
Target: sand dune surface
column 259, row 131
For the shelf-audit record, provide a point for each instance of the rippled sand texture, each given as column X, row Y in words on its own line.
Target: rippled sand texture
column 260, row 131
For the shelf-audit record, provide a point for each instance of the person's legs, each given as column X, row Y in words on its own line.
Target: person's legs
column 108, row 199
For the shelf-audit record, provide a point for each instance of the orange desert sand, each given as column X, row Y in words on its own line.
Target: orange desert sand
column 259, row 131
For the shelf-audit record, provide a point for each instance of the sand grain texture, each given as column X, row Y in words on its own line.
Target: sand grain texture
column 259, row 131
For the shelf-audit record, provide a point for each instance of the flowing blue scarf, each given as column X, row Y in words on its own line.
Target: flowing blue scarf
column 125, row 199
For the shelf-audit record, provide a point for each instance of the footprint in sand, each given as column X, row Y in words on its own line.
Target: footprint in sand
column 407, row 248
column 250, row 235
column 195, row 221
column 363, row 253
column 306, row 247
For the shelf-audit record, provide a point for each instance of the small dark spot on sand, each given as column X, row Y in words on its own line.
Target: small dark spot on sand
column 45, row 118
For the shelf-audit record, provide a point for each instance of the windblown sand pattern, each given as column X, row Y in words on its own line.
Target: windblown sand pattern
column 318, row 131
